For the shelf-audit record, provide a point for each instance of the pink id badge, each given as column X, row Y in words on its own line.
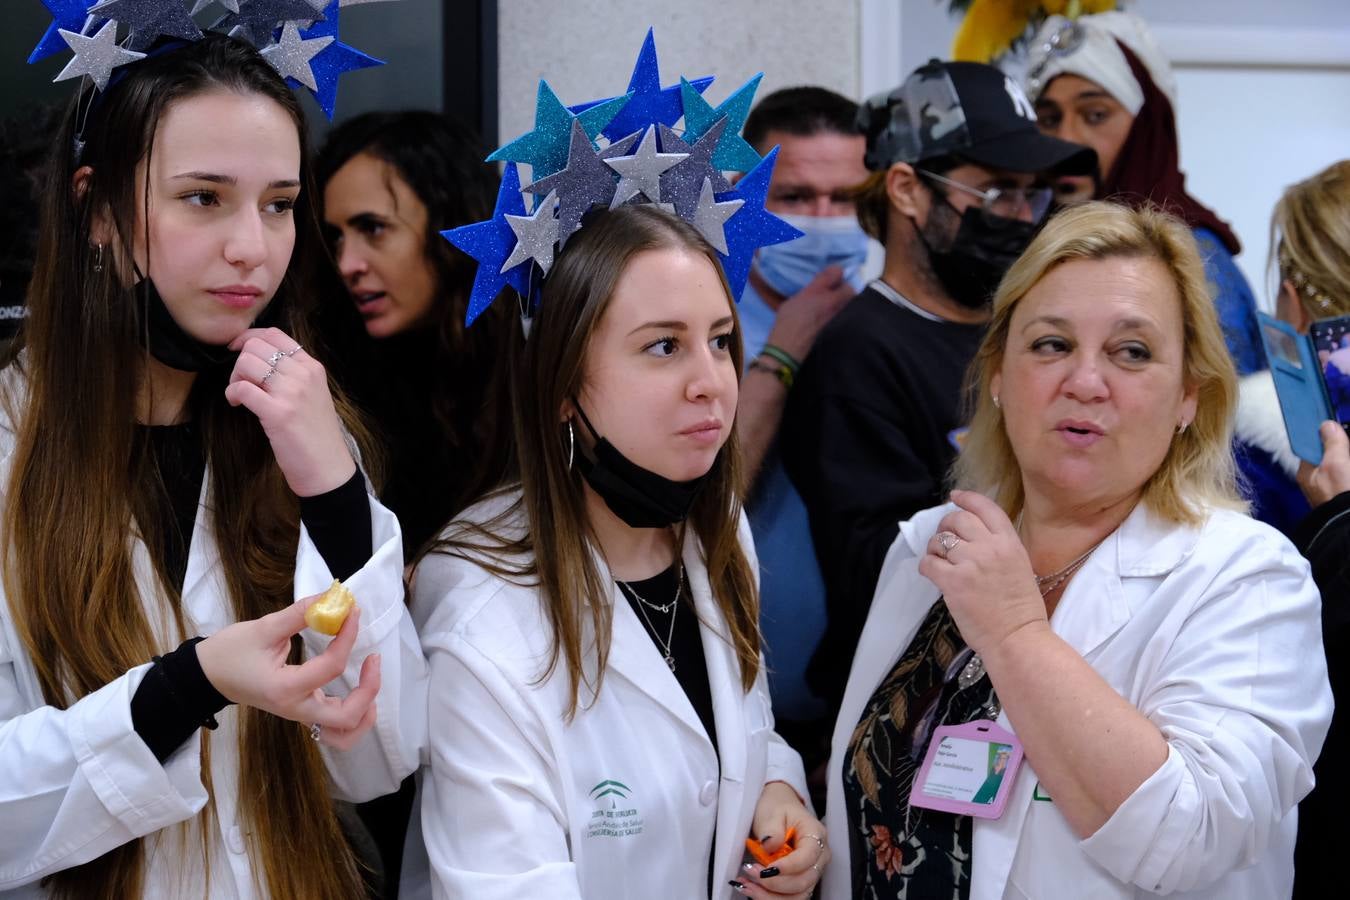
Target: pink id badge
column 969, row 770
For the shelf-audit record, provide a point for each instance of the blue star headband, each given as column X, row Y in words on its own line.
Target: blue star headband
column 298, row 37
column 643, row 159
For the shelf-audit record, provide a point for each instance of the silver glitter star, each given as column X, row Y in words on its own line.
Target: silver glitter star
column 96, row 56
column 584, row 182
column 148, row 19
column 641, row 172
column 710, row 216
column 257, row 19
column 535, row 235
column 683, row 183
column 290, row 56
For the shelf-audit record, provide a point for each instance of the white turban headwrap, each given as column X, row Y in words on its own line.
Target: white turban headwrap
column 1093, row 53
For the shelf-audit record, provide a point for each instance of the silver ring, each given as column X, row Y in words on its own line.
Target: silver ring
column 314, row 730
column 816, row 866
column 948, row 542
column 816, row 838
column 268, row 377
column 278, row 355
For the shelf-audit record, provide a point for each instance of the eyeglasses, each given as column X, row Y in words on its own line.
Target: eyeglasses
column 1003, row 203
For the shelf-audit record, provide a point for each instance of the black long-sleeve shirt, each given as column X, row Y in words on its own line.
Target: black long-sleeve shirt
column 1323, row 537
column 175, row 698
column 866, row 439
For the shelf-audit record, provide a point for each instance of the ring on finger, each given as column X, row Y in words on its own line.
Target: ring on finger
column 268, row 377
column 948, row 542
column 278, row 355
column 315, row 729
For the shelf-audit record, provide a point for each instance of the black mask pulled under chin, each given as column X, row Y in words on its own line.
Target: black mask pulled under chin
column 173, row 346
column 639, row 497
column 978, row 256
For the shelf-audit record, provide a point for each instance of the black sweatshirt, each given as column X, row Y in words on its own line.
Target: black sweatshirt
column 175, row 698
column 866, row 440
column 1323, row 537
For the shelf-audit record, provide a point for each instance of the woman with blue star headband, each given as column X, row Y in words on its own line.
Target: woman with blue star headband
column 599, row 720
column 173, row 465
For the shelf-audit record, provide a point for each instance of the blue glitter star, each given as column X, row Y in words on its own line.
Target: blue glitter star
column 732, row 153
column 545, row 148
column 651, row 103
column 491, row 243
column 66, row 14
column 332, row 61
column 752, row 226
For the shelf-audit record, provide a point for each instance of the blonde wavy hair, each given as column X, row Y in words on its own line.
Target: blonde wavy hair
column 1198, row 472
column 1310, row 236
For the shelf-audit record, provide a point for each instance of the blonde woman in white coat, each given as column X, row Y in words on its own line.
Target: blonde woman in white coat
column 170, row 471
column 1156, row 652
column 600, row 725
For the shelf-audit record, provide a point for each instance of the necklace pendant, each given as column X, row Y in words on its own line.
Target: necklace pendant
column 670, row 661
column 972, row 673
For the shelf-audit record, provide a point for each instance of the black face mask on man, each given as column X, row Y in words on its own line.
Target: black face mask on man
column 977, row 257
column 639, row 497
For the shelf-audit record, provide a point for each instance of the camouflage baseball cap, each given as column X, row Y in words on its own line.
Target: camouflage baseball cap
column 969, row 110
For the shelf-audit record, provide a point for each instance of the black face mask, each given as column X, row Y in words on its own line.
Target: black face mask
column 640, row 498
column 978, row 256
column 177, row 349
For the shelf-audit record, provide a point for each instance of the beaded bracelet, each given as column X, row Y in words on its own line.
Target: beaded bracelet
column 780, row 355
column 777, row 370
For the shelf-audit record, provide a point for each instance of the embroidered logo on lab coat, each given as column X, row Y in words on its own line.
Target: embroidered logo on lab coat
column 615, row 814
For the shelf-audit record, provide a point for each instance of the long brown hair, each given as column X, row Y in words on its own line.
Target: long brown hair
column 80, row 481
column 554, row 552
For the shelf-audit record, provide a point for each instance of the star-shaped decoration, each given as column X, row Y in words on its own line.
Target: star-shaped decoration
column 335, row 60
column 651, row 104
column 682, row 185
column 732, row 153
column 257, row 19
column 710, row 216
column 148, row 19
column 231, row 5
column 96, row 56
column 584, row 182
column 291, row 55
column 490, row 243
column 67, row 15
column 753, row 226
column 546, row 147
column 641, row 172
column 535, row 235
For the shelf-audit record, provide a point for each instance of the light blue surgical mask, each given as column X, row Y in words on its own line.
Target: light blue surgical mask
column 825, row 241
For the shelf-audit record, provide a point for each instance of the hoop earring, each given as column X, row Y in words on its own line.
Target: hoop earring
column 571, row 444
column 1181, row 427
column 98, row 258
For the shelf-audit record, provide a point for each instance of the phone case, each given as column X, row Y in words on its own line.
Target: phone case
column 1299, row 384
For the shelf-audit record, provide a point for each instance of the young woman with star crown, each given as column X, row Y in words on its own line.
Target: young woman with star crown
column 173, row 464
column 599, row 718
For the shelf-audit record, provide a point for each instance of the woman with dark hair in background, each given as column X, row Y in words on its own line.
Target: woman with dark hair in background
column 391, row 182
column 1101, row 80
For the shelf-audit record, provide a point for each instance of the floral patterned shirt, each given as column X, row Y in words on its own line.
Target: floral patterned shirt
column 898, row 852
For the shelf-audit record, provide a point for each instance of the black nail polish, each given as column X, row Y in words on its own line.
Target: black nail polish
column 736, row 884
column 767, row 837
column 769, row 872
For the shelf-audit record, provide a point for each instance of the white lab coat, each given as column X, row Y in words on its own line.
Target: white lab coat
column 623, row 801
column 78, row 782
column 1214, row 633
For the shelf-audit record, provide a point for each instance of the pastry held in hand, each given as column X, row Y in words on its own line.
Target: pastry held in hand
column 327, row 614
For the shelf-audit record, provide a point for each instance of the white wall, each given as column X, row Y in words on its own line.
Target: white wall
column 585, row 49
